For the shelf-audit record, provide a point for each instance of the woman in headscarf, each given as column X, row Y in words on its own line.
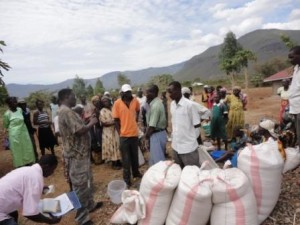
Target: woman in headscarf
column 96, row 132
column 110, row 137
column 45, row 134
column 236, row 117
column 19, row 139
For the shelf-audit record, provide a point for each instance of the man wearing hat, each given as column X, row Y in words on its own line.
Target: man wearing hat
column 125, row 112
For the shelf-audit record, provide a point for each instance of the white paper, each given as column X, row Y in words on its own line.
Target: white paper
column 65, row 205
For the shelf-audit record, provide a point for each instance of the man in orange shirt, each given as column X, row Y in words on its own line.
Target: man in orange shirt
column 125, row 112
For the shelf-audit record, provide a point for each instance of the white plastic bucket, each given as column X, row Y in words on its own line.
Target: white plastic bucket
column 115, row 189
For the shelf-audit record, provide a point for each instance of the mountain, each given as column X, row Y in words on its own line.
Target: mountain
column 109, row 80
column 266, row 44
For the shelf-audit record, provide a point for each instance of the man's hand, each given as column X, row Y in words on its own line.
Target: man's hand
column 55, row 219
column 93, row 120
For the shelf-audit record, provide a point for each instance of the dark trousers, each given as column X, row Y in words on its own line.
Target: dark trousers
column 11, row 221
column 129, row 152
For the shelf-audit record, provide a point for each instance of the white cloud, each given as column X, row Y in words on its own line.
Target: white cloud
column 55, row 39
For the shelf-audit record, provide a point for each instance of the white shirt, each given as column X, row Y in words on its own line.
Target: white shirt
column 294, row 92
column 204, row 112
column 141, row 100
column 184, row 117
column 21, row 188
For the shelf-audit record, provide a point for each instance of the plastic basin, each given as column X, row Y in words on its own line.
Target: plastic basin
column 115, row 189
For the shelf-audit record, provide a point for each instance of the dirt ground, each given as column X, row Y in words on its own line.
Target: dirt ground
column 261, row 104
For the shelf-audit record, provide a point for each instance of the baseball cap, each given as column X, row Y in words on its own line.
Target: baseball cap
column 185, row 90
column 125, row 88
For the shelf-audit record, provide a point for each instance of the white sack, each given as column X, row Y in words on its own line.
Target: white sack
column 292, row 159
column 263, row 165
column 191, row 203
column 132, row 209
column 157, row 188
column 141, row 157
column 233, row 198
column 205, row 156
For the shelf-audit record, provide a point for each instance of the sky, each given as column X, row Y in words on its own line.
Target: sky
column 50, row 41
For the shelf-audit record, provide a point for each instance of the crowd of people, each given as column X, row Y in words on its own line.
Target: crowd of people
column 112, row 131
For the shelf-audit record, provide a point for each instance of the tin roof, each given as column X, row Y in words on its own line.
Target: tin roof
column 283, row 74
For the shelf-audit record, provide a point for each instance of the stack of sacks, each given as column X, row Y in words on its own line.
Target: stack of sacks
column 233, row 198
column 263, row 165
column 157, row 188
column 292, row 159
column 191, row 203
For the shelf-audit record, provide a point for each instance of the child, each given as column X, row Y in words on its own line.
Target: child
column 218, row 122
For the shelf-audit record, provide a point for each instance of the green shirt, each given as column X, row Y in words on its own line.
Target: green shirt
column 156, row 116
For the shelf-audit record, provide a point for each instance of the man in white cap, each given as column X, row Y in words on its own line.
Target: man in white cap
column 125, row 112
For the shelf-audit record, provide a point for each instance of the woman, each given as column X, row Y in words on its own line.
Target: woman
column 283, row 92
column 45, row 134
column 218, row 122
column 236, row 117
column 205, row 96
column 96, row 132
column 110, row 137
column 19, row 140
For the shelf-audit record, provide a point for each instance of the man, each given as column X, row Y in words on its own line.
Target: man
column 125, row 112
column 89, row 108
column 294, row 90
column 185, row 121
column 204, row 113
column 156, row 126
column 76, row 144
column 144, row 107
column 22, row 188
column 165, row 103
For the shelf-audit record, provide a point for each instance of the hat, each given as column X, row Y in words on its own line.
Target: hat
column 125, row 88
column 95, row 98
column 223, row 89
column 106, row 93
column 269, row 125
column 205, row 86
column 236, row 88
column 185, row 90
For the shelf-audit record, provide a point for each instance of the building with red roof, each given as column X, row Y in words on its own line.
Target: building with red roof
column 276, row 79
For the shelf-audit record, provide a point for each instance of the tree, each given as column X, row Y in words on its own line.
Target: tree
column 271, row 67
column 186, row 83
column 227, row 55
column 241, row 59
column 89, row 91
column 3, row 65
column 3, row 94
column 287, row 41
column 161, row 81
column 99, row 89
column 41, row 95
column 123, row 79
column 79, row 86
